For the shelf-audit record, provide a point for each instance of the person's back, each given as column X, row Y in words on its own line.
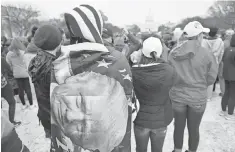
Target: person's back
column 152, row 80
column 229, row 63
column 228, row 99
column 152, row 84
column 40, row 73
column 99, row 89
column 15, row 58
column 197, row 68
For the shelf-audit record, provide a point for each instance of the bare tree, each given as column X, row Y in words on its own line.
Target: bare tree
column 19, row 19
column 223, row 10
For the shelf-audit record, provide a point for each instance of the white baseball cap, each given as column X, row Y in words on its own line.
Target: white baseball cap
column 150, row 45
column 195, row 28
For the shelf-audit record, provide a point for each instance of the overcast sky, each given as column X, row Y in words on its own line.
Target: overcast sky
column 123, row 12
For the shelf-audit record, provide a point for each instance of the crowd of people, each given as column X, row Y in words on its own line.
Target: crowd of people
column 82, row 80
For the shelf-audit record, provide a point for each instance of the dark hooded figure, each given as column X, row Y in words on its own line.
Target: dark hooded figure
column 228, row 100
column 91, row 90
column 47, row 38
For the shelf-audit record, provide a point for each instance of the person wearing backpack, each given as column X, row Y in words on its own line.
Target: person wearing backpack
column 91, row 89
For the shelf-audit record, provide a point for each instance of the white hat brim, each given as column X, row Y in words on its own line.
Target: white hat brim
column 206, row 30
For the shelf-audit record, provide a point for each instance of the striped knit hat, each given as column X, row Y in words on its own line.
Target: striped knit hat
column 85, row 22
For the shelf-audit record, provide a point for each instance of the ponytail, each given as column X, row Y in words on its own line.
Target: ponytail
column 154, row 56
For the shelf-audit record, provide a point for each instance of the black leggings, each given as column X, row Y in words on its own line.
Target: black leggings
column 228, row 99
column 24, row 86
column 7, row 94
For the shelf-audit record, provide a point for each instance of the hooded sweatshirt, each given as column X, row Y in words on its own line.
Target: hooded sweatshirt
column 152, row 84
column 216, row 46
column 197, row 68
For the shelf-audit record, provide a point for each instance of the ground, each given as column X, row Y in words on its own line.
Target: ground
column 217, row 134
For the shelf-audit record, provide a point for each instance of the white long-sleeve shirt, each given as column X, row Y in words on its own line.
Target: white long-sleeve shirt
column 17, row 64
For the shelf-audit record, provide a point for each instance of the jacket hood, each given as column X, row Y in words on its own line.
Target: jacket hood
column 40, row 65
column 185, row 50
column 213, row 44
column 147, row 75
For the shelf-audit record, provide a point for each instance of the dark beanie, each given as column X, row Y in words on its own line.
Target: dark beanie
column 47, row 37
column 232, row 42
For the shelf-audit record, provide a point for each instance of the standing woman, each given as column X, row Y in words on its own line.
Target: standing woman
column 15, row 58
column 152, row 80
column 198, row 69
column 228, row 99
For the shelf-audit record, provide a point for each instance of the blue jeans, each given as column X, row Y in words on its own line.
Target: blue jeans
column 193, row 114
column 142, row 136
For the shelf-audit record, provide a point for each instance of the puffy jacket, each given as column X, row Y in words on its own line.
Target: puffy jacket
column 152, row 84
column 197, row 68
